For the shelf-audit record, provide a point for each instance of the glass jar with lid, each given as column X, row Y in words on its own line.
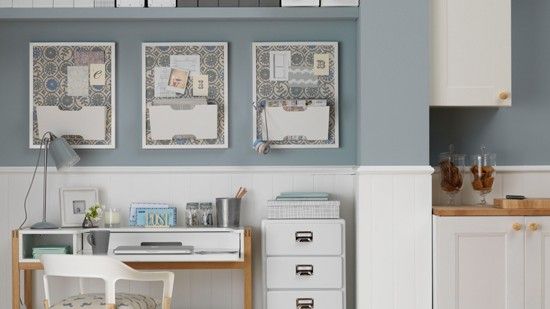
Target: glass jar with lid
column 207, row 214
column 192, row 214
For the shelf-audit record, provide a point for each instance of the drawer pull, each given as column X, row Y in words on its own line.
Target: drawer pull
column 304, row 270
column 304, row 303
column 304, row 236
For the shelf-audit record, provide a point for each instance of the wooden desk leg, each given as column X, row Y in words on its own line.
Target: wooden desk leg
column 247, row 268
column 28, row 289
column 15, row 293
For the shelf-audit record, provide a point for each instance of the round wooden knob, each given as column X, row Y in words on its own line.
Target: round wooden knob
column 533, row 226
column 517, row 226
column 504, row 95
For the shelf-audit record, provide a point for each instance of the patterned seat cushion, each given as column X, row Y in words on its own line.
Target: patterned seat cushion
column 97, row 301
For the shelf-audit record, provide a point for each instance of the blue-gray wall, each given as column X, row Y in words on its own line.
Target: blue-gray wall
column 14, row 70
column 393, row 120
column 520, row 135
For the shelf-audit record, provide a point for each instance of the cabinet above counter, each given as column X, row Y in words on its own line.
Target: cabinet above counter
column 472, row 211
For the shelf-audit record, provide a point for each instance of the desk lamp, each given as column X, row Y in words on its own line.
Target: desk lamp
column 64, row 157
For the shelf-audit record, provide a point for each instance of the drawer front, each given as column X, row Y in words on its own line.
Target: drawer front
column 304, row 273
column 305, row 300
column 288, row 238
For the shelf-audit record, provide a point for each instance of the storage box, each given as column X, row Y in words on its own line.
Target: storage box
column 249, row 3
column 22, row 3
column 83, row 3
column 63, row 3
column 6, row 4
column 208, row 3
column 130, row 3
column 42, row 3
column 161, row 3
column 104, row 3
column 303, row 209
column 339, row 2
column 299, row 2
column 186, row 3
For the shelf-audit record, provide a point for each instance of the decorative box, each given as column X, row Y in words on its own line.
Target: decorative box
column 132, row 212
column 303, row 209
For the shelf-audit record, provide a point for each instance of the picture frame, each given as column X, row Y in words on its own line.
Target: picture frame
column 72, row 93
column 268, row 87
column 74, row 202
column 163, row 120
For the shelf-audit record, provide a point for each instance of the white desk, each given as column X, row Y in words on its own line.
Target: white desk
column 203, row 239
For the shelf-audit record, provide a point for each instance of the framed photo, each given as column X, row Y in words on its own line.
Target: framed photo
column 184, row 95
column 295, row 94
column 72, row 93
column 74, row 203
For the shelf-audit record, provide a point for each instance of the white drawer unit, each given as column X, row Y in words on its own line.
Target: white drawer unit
column 304, row 264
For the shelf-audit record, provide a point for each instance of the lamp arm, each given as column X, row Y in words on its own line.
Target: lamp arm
column 46, row 142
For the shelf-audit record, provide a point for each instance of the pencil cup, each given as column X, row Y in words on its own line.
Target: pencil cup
column 228, row 211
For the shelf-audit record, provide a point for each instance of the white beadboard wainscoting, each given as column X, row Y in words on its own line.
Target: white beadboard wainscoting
column 531, row 181
column 119, row 186
column 394, row 248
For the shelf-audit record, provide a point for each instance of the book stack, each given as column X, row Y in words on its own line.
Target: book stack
column 39, row 250
column 303, row 205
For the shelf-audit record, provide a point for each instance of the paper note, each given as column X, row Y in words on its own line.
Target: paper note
column 302, row 77
column 83, row 57
column 200, row 85
column 162, row 75
column 97, row 74
column 77, row 81
column 177, row 80
column 190, row 63
column 321, row 64
column 279, row 61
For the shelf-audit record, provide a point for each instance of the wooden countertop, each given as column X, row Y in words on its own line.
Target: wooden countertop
column 463, row 211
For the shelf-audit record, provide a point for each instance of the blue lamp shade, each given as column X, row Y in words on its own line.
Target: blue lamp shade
column 62, row 153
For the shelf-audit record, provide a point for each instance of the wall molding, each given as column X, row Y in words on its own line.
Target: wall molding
column 313, row 169
column 395, row 169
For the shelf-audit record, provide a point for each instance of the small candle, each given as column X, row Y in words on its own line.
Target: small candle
column 112, row 217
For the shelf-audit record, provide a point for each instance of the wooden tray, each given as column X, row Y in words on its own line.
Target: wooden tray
column 530, row 203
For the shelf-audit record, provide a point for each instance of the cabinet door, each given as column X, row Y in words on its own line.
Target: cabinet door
column 478, row 262
column 537, row 263
column 471, row 53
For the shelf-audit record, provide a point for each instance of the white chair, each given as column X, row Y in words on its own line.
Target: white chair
column 110, row 271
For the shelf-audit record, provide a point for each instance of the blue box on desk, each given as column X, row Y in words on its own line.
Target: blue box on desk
column 156, row 217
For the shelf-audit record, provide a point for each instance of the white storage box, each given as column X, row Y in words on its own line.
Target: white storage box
column 63, row 3
column 161, row 3
column 83, row 3
column 104, row 3
column 303, row 209
column 130, row 3
column 299, row 2
column 339, row 2
column 42, row 3
column 6, row 4
column 22, row 3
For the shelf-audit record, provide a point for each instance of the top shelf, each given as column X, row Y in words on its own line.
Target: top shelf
column 181, row 14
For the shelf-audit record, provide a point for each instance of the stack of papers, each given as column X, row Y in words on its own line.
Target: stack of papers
column 39, row 250
column 303, row 196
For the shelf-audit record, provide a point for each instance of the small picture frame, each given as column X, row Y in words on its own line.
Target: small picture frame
column 74, row 202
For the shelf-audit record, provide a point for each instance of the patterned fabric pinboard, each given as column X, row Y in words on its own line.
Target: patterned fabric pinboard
column 72, row 93
column 184, row 101
column 296, row 76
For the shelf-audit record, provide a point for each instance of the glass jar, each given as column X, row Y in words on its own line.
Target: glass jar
column 207, row 214
column 452, row 167
column 111, row 218
column 483, row 172
column 192, row 214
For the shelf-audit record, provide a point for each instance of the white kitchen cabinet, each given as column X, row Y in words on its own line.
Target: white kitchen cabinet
column 537, row 263
column 471, row 53
column 478, row 262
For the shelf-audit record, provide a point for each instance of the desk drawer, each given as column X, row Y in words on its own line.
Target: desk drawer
column 291, row 238
column 304, row 273
column 304, row 299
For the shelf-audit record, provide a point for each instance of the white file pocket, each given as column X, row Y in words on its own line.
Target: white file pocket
column 88, row 122
column 305, row 300
column 287, row 238
column 304, row 273
column 311, row 123
column 200, row 122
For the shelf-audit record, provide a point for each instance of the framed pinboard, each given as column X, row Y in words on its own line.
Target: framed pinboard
column 72, row 93
column 295, row 94
column 184, row 95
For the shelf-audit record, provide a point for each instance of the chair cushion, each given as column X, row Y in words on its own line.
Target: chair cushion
column 97, row 301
